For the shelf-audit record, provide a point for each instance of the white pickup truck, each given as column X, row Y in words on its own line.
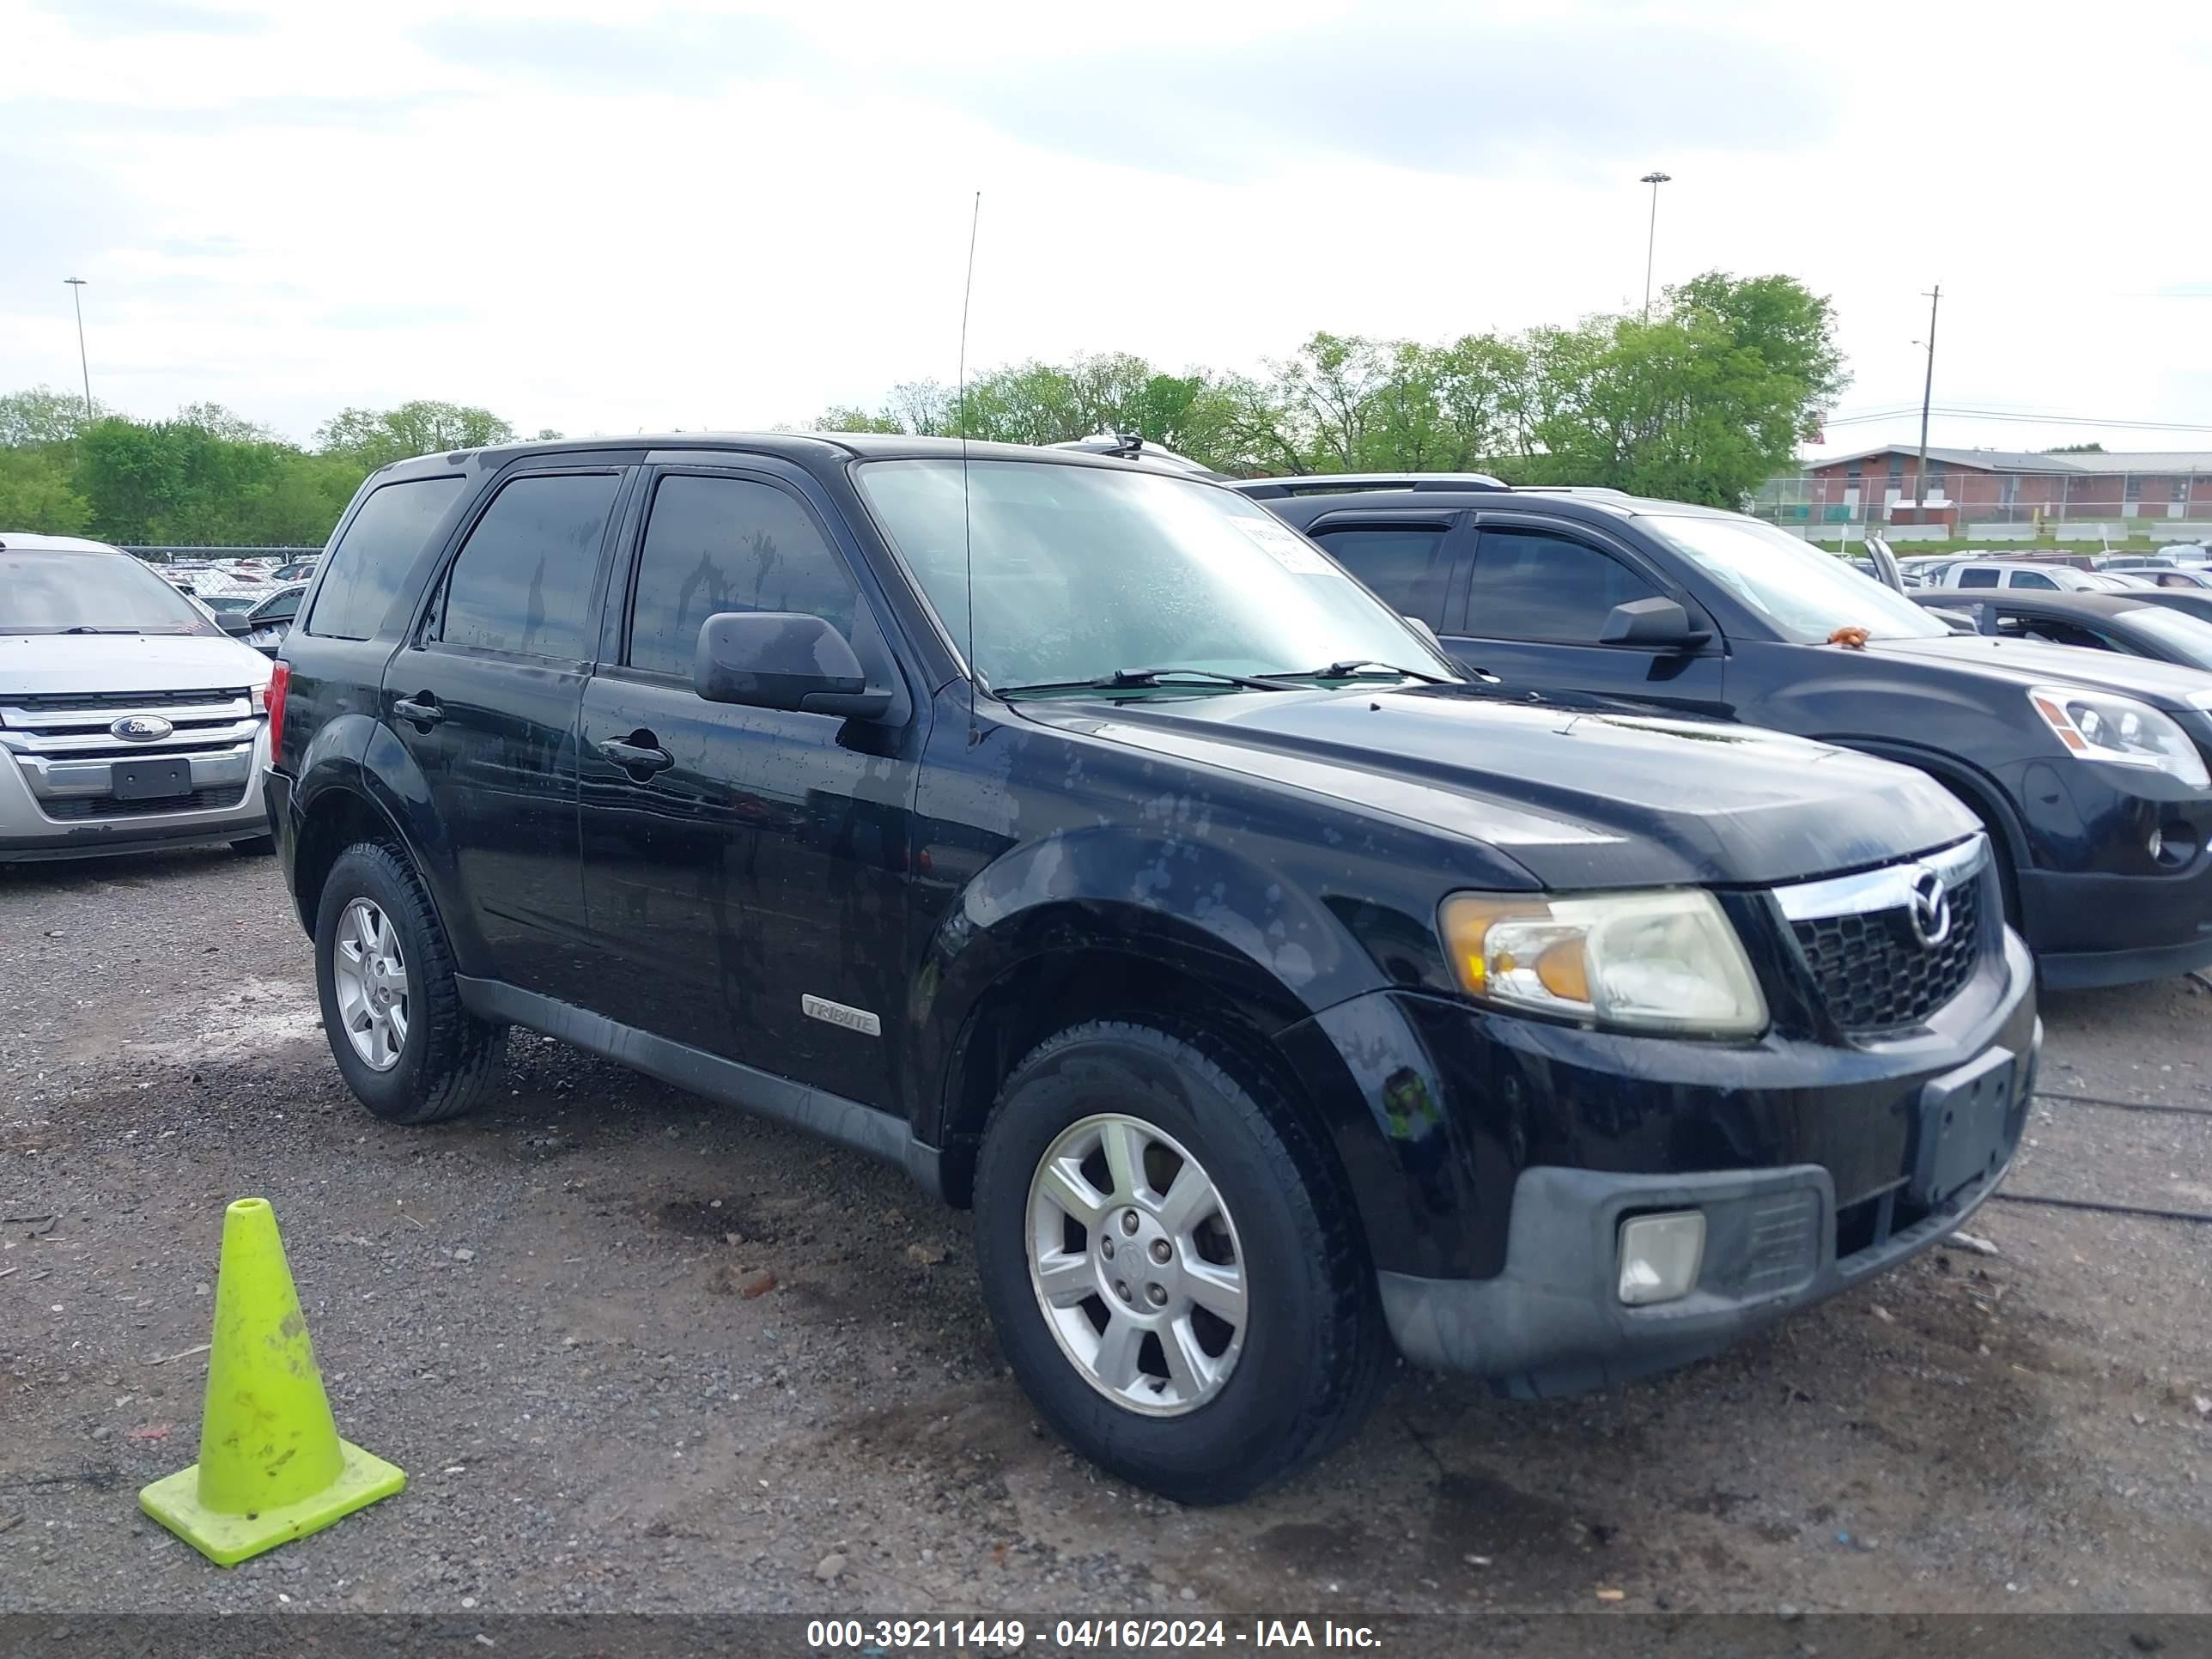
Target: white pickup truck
column 129, row 718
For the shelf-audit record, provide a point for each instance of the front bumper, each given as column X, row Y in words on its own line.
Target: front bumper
column 2095, row 929
column 74, row 818
column 2097, row 906
column 1552, row 1321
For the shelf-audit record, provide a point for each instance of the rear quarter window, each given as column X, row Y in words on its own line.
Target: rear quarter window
column 369, row 565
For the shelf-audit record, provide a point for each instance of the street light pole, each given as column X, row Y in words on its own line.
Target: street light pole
column 1927, row 394
column 84, row 365
column 1654, row 179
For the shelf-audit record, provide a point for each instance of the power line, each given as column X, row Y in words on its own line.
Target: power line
column 1955, row 412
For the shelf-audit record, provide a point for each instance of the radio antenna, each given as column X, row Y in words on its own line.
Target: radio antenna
column 967, row 529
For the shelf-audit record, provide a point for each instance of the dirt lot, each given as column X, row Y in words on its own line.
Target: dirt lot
column 541, row 1314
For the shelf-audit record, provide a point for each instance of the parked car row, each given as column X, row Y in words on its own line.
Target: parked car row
column 1543, row 934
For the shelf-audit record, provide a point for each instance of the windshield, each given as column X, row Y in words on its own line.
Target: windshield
column 1080, row 571
column 58, row 592
column 1803, row 594
column 2190, row 638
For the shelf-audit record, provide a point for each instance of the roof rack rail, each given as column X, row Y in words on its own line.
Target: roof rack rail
column 1133, row 446
column 1335, row 484
column 1575, row 489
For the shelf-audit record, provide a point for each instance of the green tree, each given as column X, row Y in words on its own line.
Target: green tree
column 220, row 423
column 1329, row 388
column 35, row 494
column 41, row 415
column 372, row 438
column 850, row 417
column 1702, row 403
column 1483, row 387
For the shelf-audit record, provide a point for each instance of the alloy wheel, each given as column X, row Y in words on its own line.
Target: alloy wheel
column 1135, row 1262
column 370, row 975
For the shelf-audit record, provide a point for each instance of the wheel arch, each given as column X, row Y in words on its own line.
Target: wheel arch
column 382, row 796
column 1078, row 979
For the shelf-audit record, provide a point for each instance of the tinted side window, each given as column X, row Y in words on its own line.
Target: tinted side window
column 371, row 560
column 522, row 582
column 2053, row 633
column 1533, row 586
column 1404, row 563
column 716, row 544
column 2032, row 578
column 1978, row 578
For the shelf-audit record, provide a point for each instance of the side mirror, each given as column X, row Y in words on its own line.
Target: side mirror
column 1425, row 632
column 234, row 623
column 1658, row 623
column 782, row 660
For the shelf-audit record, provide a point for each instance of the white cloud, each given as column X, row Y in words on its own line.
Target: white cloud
column 690, row 217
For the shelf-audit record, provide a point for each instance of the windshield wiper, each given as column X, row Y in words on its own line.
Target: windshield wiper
column 1137, row 679
column 84, row 628
column 1365, row 668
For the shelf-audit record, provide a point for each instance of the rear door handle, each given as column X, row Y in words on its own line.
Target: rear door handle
column 421, row 709
column 635, row 757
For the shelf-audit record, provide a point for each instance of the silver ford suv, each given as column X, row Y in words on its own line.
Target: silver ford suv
column 129, row 717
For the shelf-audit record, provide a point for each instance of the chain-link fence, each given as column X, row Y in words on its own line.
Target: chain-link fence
column 169, row 555
column 1959, row 501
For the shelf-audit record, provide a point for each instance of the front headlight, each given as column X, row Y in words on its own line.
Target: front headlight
column 2103, row 726
column 1665, row 961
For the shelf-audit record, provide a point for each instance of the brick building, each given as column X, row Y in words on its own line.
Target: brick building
column 1969, row 486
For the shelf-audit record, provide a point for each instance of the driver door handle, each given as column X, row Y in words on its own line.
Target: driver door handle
column 635, row 757
column 421, row 709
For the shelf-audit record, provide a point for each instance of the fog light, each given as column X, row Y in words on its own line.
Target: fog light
column 1660, row 1256
column 2157, row 842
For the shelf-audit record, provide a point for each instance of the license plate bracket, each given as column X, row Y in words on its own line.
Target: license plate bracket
column 1962, row 1118
column 150, row 780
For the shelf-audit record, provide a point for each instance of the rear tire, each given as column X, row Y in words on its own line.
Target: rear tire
column 1253, row 1400
column 434, row 1060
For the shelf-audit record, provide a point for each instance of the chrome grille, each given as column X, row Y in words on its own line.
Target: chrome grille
column 116, row 703
column 65, row 749
column 1857, row 937
column 79, row 808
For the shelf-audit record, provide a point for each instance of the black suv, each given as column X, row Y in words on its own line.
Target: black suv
column 1267, row 991
column 2088, row 770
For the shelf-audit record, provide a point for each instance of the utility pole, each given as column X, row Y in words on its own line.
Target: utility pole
column 1927, row 394
column 84, row 366
column 1654, row 179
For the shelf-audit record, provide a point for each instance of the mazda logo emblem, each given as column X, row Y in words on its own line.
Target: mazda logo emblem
column 142, row 728
column 1930, row 909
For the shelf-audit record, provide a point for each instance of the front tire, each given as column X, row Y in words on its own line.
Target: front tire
column 392, row 1012
column 1172, row 1266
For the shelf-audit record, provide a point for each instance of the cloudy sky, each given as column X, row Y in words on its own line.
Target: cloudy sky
column 603, row 218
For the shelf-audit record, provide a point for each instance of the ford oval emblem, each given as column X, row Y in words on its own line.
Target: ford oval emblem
column 142, row 728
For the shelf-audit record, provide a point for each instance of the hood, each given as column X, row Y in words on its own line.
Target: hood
column 2166, row 685
column 46, row 664
column 1579, row 798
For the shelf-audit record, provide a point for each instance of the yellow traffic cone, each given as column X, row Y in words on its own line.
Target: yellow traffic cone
column 271, row 1465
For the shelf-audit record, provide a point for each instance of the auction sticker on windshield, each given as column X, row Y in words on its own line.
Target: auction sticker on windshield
column 1283, row 544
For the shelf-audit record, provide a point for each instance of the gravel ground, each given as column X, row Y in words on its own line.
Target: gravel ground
column 640, row 1354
